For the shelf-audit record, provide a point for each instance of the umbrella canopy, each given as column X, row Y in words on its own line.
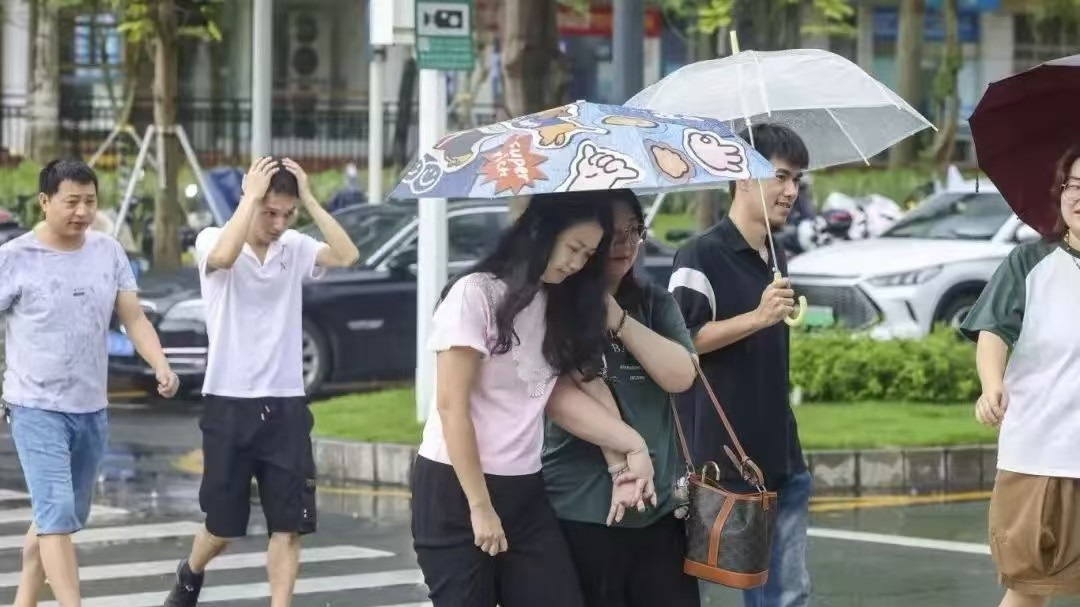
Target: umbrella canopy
column 582, row 146
column 1021, row 126
column 842, row 113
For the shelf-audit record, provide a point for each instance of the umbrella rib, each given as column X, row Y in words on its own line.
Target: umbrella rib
column 761, row 84
column 761, row 187
column 844, row 130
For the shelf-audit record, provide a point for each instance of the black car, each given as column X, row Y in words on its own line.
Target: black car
column 359, row 322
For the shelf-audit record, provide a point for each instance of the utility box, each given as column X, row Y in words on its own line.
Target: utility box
column 392, row 22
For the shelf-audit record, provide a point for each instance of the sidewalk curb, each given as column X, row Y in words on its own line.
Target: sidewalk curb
column 855, row 473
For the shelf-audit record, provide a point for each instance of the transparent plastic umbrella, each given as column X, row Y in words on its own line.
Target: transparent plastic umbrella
column 842, row 113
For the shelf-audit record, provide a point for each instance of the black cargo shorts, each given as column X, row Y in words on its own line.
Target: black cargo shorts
column 265, row 438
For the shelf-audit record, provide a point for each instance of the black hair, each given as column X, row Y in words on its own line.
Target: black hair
column 283, row 182
column 776, row 142
column 65, row 169
column 631, row 293
column 574, row 338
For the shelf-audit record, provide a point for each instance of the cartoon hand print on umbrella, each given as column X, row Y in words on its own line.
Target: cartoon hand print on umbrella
column 596, row 168
column 719, row 157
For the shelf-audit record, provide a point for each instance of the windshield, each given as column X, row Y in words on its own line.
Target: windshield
column 965, row 216
column 370, row 227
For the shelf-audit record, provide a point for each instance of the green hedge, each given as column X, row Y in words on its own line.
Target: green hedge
column 840, row 367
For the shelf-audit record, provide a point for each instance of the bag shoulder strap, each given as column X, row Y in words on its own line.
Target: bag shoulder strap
column 750, row 471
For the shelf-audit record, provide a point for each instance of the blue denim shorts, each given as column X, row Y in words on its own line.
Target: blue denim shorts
column 59, row 454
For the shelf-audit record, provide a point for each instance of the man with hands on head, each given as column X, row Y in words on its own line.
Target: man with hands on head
column 61, row 285
column 256, row 421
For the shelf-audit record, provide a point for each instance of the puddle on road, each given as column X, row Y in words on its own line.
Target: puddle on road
column 145, row 481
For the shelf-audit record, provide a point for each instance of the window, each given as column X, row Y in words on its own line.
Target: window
column 966, row 216
column 473, row 234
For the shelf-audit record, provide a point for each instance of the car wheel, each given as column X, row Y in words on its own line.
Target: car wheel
column 957, row 309
column 316, row 358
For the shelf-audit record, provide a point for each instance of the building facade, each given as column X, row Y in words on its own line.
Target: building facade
column 321, row 59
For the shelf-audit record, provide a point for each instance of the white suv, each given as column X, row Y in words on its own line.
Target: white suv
column 928, row 268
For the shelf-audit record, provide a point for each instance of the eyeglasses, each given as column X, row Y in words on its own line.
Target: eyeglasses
column 633, row 234
column 1071, row 191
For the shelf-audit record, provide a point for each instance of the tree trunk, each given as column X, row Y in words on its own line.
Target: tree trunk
column 909, row 69
column 767, row 25
column 530, row 52
column 43, row 102
column 706, row 202
column 948, row 97
column 167, row 214
column 406, row 93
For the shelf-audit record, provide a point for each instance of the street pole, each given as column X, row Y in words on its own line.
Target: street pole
column 432, row 245
column 628, row 32
column 262, row 76
column 376, row 74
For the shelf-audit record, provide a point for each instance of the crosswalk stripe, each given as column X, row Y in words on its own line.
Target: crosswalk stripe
column 129, row 533
column 245, row 560
column 7, row 495
column 239, row 592
column 25, row 515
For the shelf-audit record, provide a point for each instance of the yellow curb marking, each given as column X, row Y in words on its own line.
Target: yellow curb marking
column 192, row 463
column 893, row 501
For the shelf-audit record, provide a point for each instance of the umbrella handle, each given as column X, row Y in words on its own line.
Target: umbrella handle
column 795, row 320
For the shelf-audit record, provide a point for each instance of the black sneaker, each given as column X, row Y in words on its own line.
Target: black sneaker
column 188, row 585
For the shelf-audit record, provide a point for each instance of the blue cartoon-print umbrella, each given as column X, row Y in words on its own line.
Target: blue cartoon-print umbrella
column 582, row 146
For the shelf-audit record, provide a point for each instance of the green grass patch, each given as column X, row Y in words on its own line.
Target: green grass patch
column 664, row 222
column 870, row 425
column 389, row 416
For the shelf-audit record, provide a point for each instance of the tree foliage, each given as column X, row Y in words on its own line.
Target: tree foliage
column 139, row 22
column 710, row 16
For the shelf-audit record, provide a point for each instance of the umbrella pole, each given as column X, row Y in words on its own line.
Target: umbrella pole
column 797, row 319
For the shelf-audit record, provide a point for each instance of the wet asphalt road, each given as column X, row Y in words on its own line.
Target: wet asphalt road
column 929, row 555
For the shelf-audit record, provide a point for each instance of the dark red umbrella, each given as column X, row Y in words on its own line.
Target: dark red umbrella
column 1021, row 126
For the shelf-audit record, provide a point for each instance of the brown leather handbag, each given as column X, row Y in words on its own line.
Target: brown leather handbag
column 729, row 534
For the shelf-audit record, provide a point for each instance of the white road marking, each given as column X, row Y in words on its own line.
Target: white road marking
column 899, row 540
column 240, row 592
column 244, row 560
column 7, row 495
column 25, row 515
column 129, row 533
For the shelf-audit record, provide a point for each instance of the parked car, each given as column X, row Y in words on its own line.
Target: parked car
column 9, row 226
column 928, row 268
column 360, row 322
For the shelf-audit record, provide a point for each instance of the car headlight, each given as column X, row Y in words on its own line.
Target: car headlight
column 903, row 279
column 187, row 315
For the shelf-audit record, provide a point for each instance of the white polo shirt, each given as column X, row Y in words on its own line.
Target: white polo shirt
column 253, row 317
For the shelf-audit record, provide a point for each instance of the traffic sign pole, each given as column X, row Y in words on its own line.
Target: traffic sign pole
column 444, row 41
column 432, row 247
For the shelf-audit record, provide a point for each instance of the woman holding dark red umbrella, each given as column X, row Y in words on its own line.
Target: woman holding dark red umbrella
column 1029, row 307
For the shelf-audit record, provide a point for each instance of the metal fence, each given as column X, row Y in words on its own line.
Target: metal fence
column 319, row 133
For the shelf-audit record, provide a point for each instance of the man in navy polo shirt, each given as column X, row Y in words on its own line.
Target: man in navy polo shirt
column 723, row 282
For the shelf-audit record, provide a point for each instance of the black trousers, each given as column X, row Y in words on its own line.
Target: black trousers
column 536, row 571
column 626, row 567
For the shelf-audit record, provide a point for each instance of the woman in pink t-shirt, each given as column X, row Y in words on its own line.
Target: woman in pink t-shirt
column 483, row 528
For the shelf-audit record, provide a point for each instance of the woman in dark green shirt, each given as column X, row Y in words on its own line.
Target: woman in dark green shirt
column 632, row 558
